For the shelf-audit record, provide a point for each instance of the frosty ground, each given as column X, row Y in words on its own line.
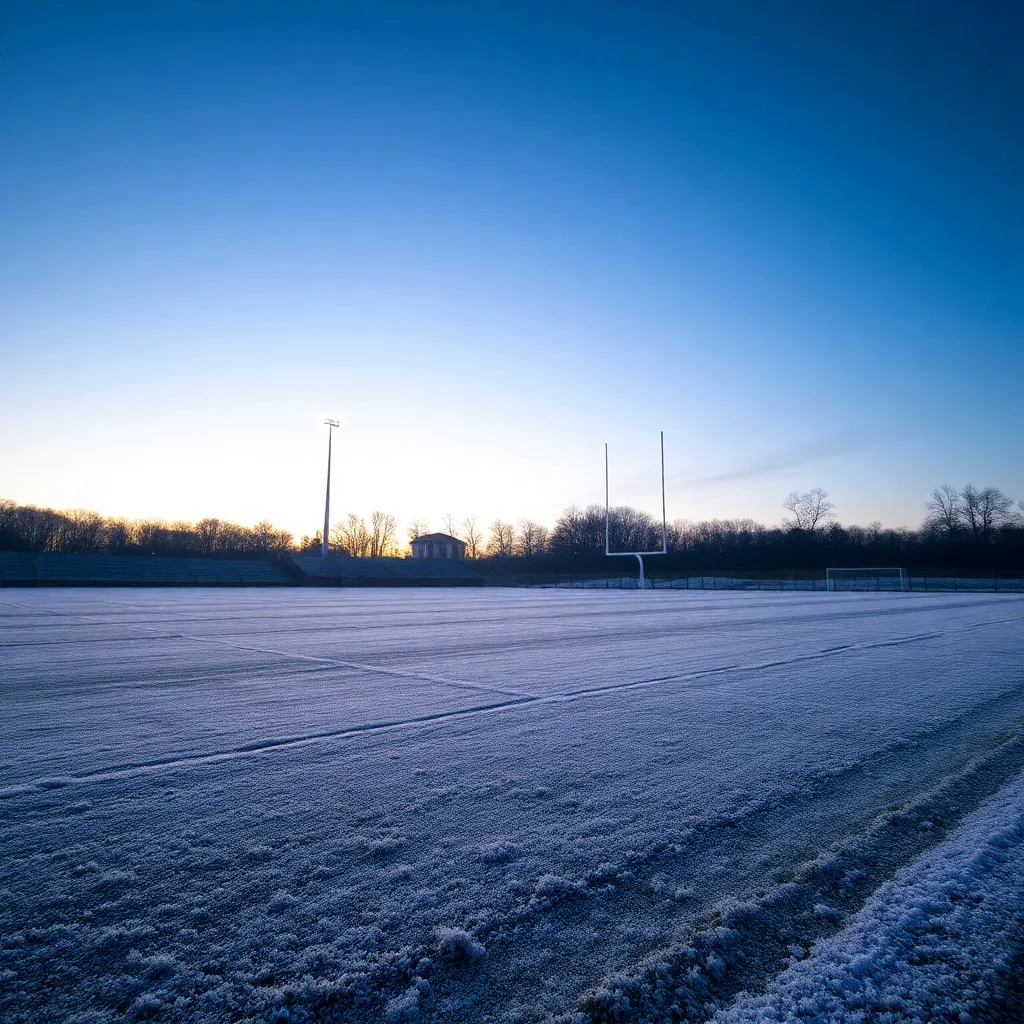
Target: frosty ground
column 514, row 806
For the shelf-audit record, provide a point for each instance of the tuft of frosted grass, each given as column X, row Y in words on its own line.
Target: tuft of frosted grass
column 146, row 1007
column 385, row 846
column 456, row 946
column 281, row 902
column 498, row 852
column 551, row 889
column 403, row 1009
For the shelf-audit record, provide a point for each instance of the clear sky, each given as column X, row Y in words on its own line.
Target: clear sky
column 491, row 237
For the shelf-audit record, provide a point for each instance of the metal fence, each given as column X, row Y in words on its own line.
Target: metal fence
column 804, row 582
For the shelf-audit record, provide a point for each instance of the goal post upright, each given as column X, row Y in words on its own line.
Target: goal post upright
column 638, row 555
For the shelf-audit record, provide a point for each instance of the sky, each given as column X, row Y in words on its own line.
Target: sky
column 490, row 238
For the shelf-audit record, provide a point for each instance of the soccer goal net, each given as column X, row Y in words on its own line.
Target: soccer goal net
column 885, row 578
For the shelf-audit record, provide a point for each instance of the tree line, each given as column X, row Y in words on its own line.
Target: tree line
column 971, row 526
column 80, row 531
column 979, row 526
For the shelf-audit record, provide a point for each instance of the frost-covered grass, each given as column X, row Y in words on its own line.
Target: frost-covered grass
column 459, row 806
column 941, row 941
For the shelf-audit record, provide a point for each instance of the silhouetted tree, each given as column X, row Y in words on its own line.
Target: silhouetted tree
column 503, row 539
column 208, row 531
column 976, row 512
column 578, row 531
column 418, row 528
column 267, row 538
column 79, row 531
column 945, row 511
column 118, row 535
column 354, row 536
column 473, row 537
column 448, row 522
column 382, row 534
column 532, row 539
column 312, row 545
column 233, row 537
column 632, row 530
column 809, row 509
column 985, row 510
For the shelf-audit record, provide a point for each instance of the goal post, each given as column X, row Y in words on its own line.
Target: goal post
column 871, row 578
column 638, row 555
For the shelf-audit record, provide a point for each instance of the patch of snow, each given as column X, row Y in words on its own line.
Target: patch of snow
column 938, row 942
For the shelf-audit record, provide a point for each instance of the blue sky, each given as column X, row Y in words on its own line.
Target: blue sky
column 491, row 237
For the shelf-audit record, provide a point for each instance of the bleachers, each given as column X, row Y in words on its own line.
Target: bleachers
column 139, row 570
column 387, row 571
column 18, row 569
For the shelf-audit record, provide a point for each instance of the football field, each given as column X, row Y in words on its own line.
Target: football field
column 500, row 805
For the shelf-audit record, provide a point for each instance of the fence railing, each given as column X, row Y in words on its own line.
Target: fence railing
column 799, row 582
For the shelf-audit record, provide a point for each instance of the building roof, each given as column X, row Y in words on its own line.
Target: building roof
column 443, row 538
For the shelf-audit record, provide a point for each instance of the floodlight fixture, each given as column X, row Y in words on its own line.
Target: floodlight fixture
column 330, row 424
column 638, row 555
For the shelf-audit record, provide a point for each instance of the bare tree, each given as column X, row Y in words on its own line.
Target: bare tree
column 473, row 537
column 209, row 531
column 263, row 535
column 382, row 534
column 809, row 509
column 985, row 510
column 578, row 531
column 417, row 528
column 234, row 537
column 945, row 510
column 80, row 531
column 533, row 538
column 629, row 529
column 448, row 522
column 503, row 539
column 267, row 537
column 118, row 534
column 338, row 538
column 311, row 544
column 681, row 535
column 354, row 536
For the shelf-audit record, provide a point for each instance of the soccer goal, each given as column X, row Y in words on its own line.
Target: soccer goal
column 874, row 578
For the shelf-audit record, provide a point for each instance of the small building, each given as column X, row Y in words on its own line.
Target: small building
column 438, row 545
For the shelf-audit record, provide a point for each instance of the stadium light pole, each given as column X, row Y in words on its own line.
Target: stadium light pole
column 331, row 424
